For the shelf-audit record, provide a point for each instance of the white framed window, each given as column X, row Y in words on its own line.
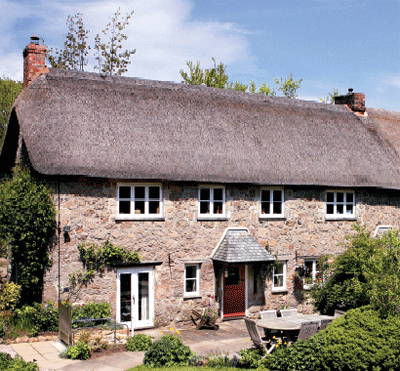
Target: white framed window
column 139, row 201
column 192, row 280
column 211, row 202
column 279, row 276
column 272, row 203
column 340, row 205
column 381, row 230
column 311, row 274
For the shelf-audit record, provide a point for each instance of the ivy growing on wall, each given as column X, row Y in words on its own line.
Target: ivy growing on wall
column 27, row 226
column 95, row 258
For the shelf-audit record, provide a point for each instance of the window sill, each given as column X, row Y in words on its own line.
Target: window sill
column 128, row 218
column 279, row 290
column 211, row 218
column 271, row 217
column 340, row 217
column 189, row 297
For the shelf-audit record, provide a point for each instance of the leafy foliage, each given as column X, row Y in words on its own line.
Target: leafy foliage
column 27, row 223
column 167, row 352
column 216, row 77
column 7, row 363
column 91, row 310
column 10, row 294
column 36, row 318
column 74, row 54
column 80, row 351
column 330, row 98
column 9, row 91
column 139, row 343
column 366, row 273
column 251, row 358
column 110, row 60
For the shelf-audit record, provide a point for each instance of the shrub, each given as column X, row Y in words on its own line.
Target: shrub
column 359, row 340
column 139, row 343
column 36, row 318
column 251, row 358
column 79, row 351
column 167, row 352
column 91, row 310
column 7, row 363
column 10, row 294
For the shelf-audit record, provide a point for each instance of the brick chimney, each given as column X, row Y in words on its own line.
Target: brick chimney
column 34, row 60
column 355, row 101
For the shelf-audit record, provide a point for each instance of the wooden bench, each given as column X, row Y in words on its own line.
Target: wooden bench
column 200, row 321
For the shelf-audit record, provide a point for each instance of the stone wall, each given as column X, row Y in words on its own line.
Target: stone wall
column 89, row 208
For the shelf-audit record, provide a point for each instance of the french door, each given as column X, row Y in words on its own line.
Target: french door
column 135, row 297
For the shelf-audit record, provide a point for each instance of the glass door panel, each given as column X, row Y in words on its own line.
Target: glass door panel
column 143, row 304
column 125, row 297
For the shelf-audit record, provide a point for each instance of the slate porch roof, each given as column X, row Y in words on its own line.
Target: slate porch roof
column 238, row 246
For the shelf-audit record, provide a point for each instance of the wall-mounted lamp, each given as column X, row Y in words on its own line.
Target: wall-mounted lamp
column 66, row 230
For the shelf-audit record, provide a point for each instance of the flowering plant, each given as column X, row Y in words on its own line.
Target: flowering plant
column 209, row 314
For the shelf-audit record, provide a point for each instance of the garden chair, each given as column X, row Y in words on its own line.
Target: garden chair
column 288, row 312
column 339, row 313
column 255, row 336
column 269, row 314
column 307, row 329
column 324, row 324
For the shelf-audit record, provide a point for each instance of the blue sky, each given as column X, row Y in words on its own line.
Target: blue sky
column 330, row 44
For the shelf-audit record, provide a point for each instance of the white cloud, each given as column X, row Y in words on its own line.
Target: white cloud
column 162, row 31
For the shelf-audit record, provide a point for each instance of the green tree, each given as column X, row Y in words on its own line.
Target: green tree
column 111, row 60
column 330, row 98
column 9, row 91
column 74, row 54
column 27, row 223
column 289, row 86
column 214, row 77
column 367, row 273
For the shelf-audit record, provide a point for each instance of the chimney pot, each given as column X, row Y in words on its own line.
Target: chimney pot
column 350, row 90
column 34, row 60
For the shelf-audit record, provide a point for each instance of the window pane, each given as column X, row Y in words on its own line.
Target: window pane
column 139, row 207
column 277, row 208
column 191, row 271
column 339, row 197
column 139, row 192
column 329, row 197
column 204, row 194
column 349, row 209
column 349, row 197
column 232, row 276
column 265, row 195
column 217, row 207
column 154, row 207
column 154, row 192
column 278, row 269
column 265, row 207
column 329, row 209
column 339, row 209
column 124, row 207
column 278, row 281
column 218, row 194
column 124, row 192
column 191, row 285
column 277, row 195
column 204, row 207
column 309, row 268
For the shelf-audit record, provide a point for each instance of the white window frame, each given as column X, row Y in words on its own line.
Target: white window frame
column 314, row 272
column 271, row 203
column 188, row 294
column 381, row 230
column 146, row 199
column 211, row 214
column 345, row 215
column 284, row 276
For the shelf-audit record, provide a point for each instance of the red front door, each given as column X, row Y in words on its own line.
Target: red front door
column 234, row 291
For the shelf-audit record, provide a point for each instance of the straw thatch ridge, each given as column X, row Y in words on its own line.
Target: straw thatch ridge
column 76, row 123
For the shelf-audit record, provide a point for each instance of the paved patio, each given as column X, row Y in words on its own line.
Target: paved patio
column 228, row 340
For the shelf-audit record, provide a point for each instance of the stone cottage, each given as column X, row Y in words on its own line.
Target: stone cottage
column 222, row 193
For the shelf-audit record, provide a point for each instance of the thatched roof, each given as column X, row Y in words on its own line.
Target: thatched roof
column 76, row 123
